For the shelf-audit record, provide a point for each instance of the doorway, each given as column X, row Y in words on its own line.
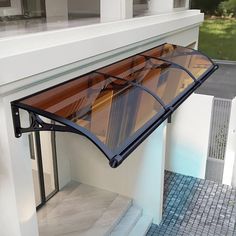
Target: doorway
column 44, row 166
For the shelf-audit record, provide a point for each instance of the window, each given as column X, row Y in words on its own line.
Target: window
column 5, row 3
column 179, row 3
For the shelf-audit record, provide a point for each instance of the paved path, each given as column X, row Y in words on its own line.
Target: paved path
column 196, row 207
column 222, row 83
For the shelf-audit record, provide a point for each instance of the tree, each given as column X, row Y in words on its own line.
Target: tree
column 209, row 7
column 228, row 7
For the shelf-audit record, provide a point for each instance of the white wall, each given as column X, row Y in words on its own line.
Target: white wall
column 38, row 64
column 115, row 10
column 229, row 174
column 84, row 6
column 9, row 224
column 18, row 215
column 45, row 49
column 187, row 136
column 15, row 9
column 63, row 161
column 56, row 8
column 139, row 177
column 160, row 6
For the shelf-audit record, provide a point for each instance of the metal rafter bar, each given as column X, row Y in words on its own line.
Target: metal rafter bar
column 118, row 106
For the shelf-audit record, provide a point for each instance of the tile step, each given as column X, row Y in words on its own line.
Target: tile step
column 110, row 218
column 127, row 222
column 142, row 226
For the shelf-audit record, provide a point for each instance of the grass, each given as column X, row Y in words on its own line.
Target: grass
column 218, row 38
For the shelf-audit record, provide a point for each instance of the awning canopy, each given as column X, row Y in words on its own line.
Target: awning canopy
column 119, row 105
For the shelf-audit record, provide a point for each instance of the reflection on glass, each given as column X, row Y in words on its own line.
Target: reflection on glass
column 47, row 162
column 192, row 60
column 35, row 169
column 110, row 108
column 163, row 79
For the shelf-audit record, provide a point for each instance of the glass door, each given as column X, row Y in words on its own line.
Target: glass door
column 44, row 166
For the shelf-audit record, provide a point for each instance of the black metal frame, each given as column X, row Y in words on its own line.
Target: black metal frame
column 44, row 198
column 115, row 157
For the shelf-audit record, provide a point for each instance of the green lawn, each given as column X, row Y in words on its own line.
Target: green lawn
column 218, row 38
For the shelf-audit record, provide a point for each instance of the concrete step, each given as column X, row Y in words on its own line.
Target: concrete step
column 110, row 218
column 142, row 226
column 127, row 222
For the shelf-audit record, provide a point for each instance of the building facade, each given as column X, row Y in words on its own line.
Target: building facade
column 35, row 61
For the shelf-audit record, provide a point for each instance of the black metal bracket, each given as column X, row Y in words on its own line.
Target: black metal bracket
column 36, row 124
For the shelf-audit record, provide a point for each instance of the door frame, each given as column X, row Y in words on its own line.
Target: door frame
column 38, row 153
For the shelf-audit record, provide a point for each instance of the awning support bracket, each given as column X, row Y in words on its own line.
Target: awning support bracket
column 36, row 124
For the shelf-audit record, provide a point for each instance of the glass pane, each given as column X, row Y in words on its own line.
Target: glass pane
column 166, row 81
column 47, row 162
column 192, row 60
column 110, row 108
column 35, row 169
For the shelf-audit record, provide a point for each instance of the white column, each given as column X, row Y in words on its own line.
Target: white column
column 56, row 8
column 188, row 136
column 229, row 175
column 160, row 6
column 17, row 204
column 112, row 10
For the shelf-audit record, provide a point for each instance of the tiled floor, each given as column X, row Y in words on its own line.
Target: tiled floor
column 196, row 207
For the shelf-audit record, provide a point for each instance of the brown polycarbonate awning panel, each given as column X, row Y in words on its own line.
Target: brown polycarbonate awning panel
column 118, row 106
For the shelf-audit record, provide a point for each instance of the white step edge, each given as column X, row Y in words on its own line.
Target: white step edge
column 110, row 218
column 142, row 226
column 127, row 223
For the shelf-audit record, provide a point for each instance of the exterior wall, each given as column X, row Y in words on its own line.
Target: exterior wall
column 7, row 197
column 15, row 9
column 18, row 216
column 89, row 6
column 63, row 161
column 139, row 177
column 46, row 49
column 160, row 6
column 56, row 8
column 44, row 59
column 187, row 136
column 114, row 10
column 229, row 174
column 84, row 7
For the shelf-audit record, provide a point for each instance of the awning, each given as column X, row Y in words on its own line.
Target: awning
column 118, row 106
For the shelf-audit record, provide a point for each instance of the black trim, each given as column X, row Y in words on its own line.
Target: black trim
column 69, row 126
column 116, row 161
column 44, row 198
